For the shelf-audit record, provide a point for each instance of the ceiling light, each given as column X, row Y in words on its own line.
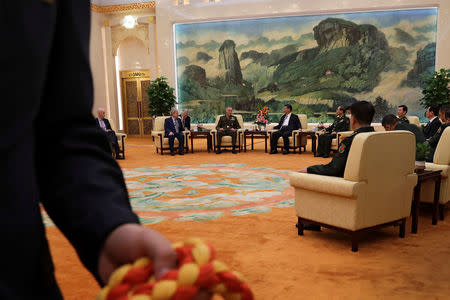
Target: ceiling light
column 129, row 22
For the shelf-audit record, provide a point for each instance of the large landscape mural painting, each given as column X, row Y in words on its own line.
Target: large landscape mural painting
column 314, row 63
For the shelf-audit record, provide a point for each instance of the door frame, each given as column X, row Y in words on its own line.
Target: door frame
column 131, row 75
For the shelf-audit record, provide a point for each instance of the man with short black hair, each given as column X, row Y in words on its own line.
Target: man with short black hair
column 401, row 113
column 391, row 122
column 444, row 114
column 341, row 123
column 288, row 123
column 360, row 120
column 434, row 123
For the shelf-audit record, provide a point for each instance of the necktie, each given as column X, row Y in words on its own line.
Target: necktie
column 175, row 123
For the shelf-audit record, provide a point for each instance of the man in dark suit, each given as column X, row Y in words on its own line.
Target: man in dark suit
column 288, row 123
column 227, row 125
column 341, row 123
column 391, row 122
column 360, row 120
column 401, row 114
column 104, row 125
column 186, row 120
column 434, row 123
column 52, row 153
column 444, row 114
column 173, row 128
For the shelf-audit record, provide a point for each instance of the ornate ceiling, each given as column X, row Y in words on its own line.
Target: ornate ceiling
column 116, row 2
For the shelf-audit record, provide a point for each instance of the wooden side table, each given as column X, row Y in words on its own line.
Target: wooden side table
column 201, row 135
column 312, row 135
column 254, row 134
column 423, row 176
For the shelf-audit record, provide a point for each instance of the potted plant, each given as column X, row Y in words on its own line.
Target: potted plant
column 161, row 97
column 422, row 152
column 437, row 91
column 262, row 118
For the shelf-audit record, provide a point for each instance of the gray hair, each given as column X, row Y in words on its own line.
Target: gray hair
column 185, row 111
column 173, row 110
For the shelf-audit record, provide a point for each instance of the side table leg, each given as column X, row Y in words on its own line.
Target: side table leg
column 437, row 189
column 245, row 143
column 415, row 208
column 265, row 143
column 192, row 145
column 252, row 142
column 313, row 138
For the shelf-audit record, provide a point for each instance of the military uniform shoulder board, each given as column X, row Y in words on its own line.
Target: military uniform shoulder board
column 342, row 148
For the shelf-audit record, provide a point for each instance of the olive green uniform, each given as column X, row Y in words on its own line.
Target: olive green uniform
column 420, row 137
column 337, row 165
column 324, row 143
column 434, row 141
column 403, row 120
column 227, row 124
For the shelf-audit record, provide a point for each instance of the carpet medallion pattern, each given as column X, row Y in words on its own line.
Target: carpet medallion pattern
column 205, row 192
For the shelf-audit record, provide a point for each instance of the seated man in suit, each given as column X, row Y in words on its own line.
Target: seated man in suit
column 401, row 113
column 434, row 123
column 360, row 120
column 227, row 126
column 104, row 124
column 288, row 123
column 341, row 123
column 391, row 122
column 444, row 114
column 174, row 129
column 186, row 120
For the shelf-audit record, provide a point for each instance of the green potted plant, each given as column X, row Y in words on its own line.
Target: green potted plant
column 161, row 97
column 437, row 91
column 422, row 152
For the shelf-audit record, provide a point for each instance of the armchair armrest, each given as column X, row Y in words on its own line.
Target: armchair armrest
column 327, row 184
column 342, row 135
column 120, row 134
column 157, row 133
column 435, row 167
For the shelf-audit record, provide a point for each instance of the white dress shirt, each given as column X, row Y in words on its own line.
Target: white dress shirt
column 286, row 120
column 431, row 120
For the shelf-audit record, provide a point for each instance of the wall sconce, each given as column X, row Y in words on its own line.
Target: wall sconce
column 129, row 22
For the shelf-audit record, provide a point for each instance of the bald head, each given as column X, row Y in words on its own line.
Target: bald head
column 101, row 113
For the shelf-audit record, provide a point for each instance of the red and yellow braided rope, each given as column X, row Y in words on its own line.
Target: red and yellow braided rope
column 197, row 269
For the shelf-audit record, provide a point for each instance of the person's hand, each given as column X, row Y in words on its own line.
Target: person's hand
column 304, row 170
column 171, row 133
column 129, row 242
column 232, row 129
column 221, row 129
column 334, row 132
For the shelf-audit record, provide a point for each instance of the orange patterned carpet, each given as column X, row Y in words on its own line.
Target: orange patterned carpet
column 264, row 246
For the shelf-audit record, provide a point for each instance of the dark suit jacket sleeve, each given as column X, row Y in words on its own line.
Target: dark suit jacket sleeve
column 219, row 124
column 107, row 124
column 433, row 142
column 280, row 123
column 337, row 165
column 236, row 124
column 79, row 183
column 187, row 123
column 180, row 125
column 296, row 124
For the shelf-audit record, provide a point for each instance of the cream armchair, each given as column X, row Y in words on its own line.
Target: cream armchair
column 120, row 139
column 413, row 120
column 376, row 189
column 295, row 141
column 336, row 141
column 441, row 161
column 226, row 140
column 161, row 142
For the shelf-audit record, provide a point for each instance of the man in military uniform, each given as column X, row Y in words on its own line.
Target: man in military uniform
column 361, row 118
column 341, row 123
column 444, row 114
column 401, row 114
column 391, row 122
column 228, row 125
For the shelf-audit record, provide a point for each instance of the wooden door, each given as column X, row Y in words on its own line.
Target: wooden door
column 137, row 121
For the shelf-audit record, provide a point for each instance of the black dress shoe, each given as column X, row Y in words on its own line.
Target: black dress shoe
column 218, row 151
column 172, row 153
column 318, row 155
column 181, row 153
column 234, row 151
column 273, row 152
column 285, row 152
column 325, row 156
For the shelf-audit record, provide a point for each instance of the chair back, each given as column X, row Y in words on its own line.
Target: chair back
column 238, row 117
column 159, row 123
column 442, row 153
column 381, row 157
column 413, row 120
column 303, row 120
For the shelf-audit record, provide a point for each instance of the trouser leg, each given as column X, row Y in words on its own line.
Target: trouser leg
column 274, row 140
column 180, row 138
column 327, row 140
column 220, row 134
column 171, row 140
column 286, row 136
